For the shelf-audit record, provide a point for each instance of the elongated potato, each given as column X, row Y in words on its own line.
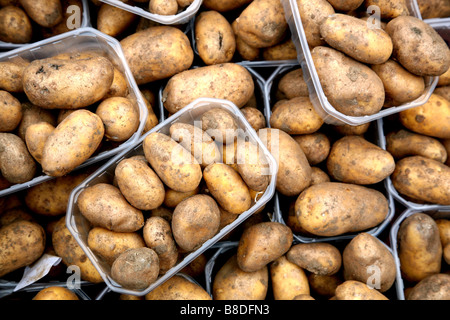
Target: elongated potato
column 288, row 280
column 35, row 138
column 252, row 166
column 318, row 258
column 10, row 112
column 113, row 21
column 46, row 13
column 16, row 163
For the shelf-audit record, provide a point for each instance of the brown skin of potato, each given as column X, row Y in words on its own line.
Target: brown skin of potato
column 214, row 38
column 430, row 9
column 178, row 288
column 444, row 231
column 255, row 118
column 389, row 9
column 105, row 206
column 293, row 85
column 404, row 143
column 10, row 112
column 15, row 26
column 220, row 125
column 443, row 92
column 444, row 79
column 334, row 208
column 288, row 280
column 365, row 251
column 172, row 198
column 422, row 179
column 162, row 212
column 186, row 86
column 46, row 13
column 163, row 7
column 231, row 283
column 245, row 51
column 108, row 245
column 136, row 269
column 433, row 287
column 261, row 244
column 419, row 247
column 66, row 22
column 72, row 142
column 180, row 172
column 174, row 52
column 152, row 119
column 316, row 146
column 35, row 138
column 16, row 163
column 345, row 5
column 317, row 258
column 224, row 5
column 19, row 213
column 351, row 87
column 418, row 47
column 55, row 293
column 32, row 114
column 119, row 86
column 158, row 236
column 113, row 21
column 22, row 243
column 313, row 13
column 252, row 166
column 353, row 159
column 318, row 176
column 324, row 286
column 194, row 221
column 347, row 130
column 11, row 75
column 431, row 119
column 355, row 290
column 285, row 50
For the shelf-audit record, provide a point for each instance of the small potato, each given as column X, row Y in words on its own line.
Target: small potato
column 225, row 5
column 353, row 159
column 10, row 112
column 136, row 269
column 433, row 287
column 35, row 138
column 214, row 38
column 419, row 247
column 288, row 279
column 158, row 236
column 55, row 293
column 16, row 163
column 13, row 214
column 293, row 85
column 227, row 188
column 252, row 166
column 220, row 125
column 355, row 290
column 261, row 244
column 172, row 198
column 119, row 86
column 389, row 9
column 175, row 166
column 162, row 212
column 316, row 146
column 345, row 5
column 46, row 13
column 163, row 7
column 318, row 258
column 318, row 176
column 21, row 243
column 108, row 245
column 232, row 283
column 246, row 51
column 113, row 21
column 11, row 75
column 404, row 143
column 178, row 288
column 348, row 130
column 104, row 206
column 324, row 286
column 32, row 114
column 15, row 25
column 255, row 118
column 194, row 221
column 284, row 50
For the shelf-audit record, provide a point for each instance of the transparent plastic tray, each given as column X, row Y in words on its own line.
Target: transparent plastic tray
column 317, row 96
column 435, row 212
column 79, row 226
column 85, row 22
column 76, row 41
column 179, row 18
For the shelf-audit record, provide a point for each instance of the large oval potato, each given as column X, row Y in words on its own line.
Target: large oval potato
column 356, row 290
column 288, row 280
column 318, row 258
column 67, row 84
column 334, row 208
column 16, row 163
column 46, row 13
column 178, row 288
column 15, row 25
column 146, row 59
column 433, row 287
column 113, row 21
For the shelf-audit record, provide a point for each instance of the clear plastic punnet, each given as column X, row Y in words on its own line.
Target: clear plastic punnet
column 80, row 227
column 316, row 93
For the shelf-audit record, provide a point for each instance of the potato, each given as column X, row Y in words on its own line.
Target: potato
column 214, row 38
column 108, row 245
column 293, row 85
column 178, row 288
column 433, row 287
column 46, row 13
column 15, row 26
column 312, row 13
column 21, row 243
column 172, row 198
column 318, row 258
column 324, row 286
column 252, row 165
column 288, row 280
column 69, row 20
column 232, row 283
column 175, row 166
column 174, row 52
column 294, row 171
column 67, row 84
column 296, row 116
column 353, row 159
column 356, row 290
column 196, row 268
column 72, row 142
column 419, row 247
column 119, row 86
column 136, row 268
column 13, row 214
column 403, row 143
column 246, row 51
column 345, row 5
column 35, row 138
column 113, row 21
column 163, row 7
column 10, row 112
column 50, row 198
column 262, row 23
column 220, row 125
column 444, row 234
column 284, row 50
column 443, row 92
column 418, row 47
column 198, row 142
column 431, row 119
column 347, row 130
column 389, row 9
column 422, row 179
column 318, row 176
column 355, row 38
column 316, row 146
column 11, row 75
column 16, row 163
column 227, row 188
column 158, row 236
column 224, row 5
column 334, row 208
column 162, row 212
column 430, row 9
column 255, row 118
column 104, row 206
column 182, row 3
column 55, row 293
column 261, row 244
column 207, row 81
column 32, row 114
column 351, row 87
column 194, row 221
